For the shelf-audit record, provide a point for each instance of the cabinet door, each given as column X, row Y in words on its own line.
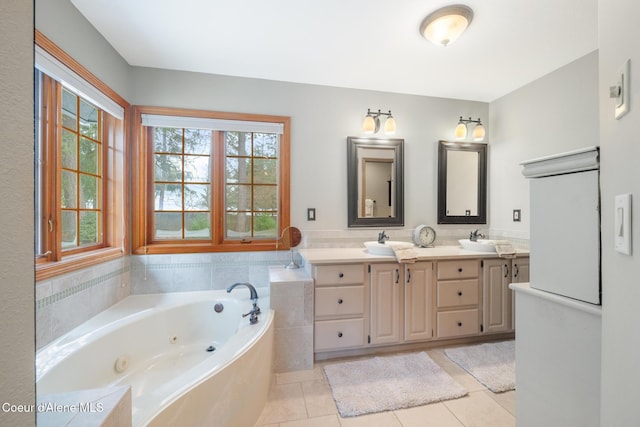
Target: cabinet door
column 519, row 274
column 496, row 277
column 418, row 292
column 386, row 303
column 520, row 270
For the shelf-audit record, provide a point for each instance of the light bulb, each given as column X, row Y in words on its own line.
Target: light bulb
column 390, row 125
column 478, row 132
column 369, row 124
column 461, row 131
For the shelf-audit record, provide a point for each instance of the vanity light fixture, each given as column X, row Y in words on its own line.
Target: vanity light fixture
column 461, row 130
column 371, row 123
column 443, row 26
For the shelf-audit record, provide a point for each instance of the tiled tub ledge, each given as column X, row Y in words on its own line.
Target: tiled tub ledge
column 109, row 406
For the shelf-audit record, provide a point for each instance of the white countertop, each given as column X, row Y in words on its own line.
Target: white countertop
column 351, row 255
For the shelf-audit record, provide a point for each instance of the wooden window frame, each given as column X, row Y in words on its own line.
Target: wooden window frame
column 142, row 188
column 52, row 262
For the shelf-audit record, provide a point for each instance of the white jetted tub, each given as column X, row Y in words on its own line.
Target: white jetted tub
column 187, row 364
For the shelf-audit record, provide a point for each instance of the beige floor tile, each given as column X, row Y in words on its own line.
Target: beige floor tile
column 318, row 398
column 461, row 376
column 507, row 400
column 479, row 410
column 433, row 415
column 381, row 419
column 325, row 421
column 285, row 403
column 299, row 376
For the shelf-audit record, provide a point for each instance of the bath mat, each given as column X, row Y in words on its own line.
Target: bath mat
column 388, row 383
column 492, row 364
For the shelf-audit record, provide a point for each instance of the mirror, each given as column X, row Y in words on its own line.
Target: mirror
column 375, row 187
column 291, row 237
column 462, row 183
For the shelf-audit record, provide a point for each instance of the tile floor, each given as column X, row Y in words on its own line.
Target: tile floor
column 303, row 399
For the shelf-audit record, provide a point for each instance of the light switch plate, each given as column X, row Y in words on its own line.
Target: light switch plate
column 622, row 80
column 622, row 224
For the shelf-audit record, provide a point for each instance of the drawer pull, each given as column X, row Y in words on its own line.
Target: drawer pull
column 340, row 301
column 341, row 275
column 459, row 324
column 460, row 270
column 459, row 293
column 339, row 334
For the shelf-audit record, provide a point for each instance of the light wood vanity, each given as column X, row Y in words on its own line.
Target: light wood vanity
column 366, row 303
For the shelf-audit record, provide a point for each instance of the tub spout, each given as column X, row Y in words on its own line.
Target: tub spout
column 252, row 290
column 255, row 310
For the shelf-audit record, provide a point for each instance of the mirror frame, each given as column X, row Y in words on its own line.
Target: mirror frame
column 353, row 143
column 443, row 148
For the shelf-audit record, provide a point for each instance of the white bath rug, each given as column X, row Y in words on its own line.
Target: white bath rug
column 388, row 383
column 492, row 364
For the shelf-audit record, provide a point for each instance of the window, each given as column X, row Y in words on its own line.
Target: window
column 80, row 141
column 209, row 181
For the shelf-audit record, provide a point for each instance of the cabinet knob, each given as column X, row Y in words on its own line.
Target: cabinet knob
column 459, row 324
column 459, row 293
column 339, row 334
column 341, row 275
column 460, row 270
column 339, row 300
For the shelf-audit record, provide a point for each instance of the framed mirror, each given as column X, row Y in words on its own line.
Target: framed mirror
column 375, row 187
column 462, row 183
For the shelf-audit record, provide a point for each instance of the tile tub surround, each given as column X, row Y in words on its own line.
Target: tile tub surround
column 66, row 301
column 291, row 295
column 203, row 271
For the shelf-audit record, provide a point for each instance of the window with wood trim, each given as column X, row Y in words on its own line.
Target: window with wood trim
column 80, row 199
column 209, row 181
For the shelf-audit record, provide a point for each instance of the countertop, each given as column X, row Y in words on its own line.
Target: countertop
column 352, row 255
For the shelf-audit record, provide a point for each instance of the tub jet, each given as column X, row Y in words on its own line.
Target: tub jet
column 211, row 348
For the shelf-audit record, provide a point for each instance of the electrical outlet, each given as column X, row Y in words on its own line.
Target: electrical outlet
column 311, row 214
column 516, row 215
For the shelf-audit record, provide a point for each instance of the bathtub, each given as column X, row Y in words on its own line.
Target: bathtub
column 162, row 345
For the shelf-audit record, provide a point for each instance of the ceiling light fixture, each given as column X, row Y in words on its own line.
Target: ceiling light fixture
column 371, row 123
column 461, row 130
column 446, row 24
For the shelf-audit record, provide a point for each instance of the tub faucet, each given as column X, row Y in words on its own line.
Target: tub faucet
column 382, row 237
column 473, row 236
column 255, row 310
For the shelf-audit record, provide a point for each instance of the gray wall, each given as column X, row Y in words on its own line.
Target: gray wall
column 16, row 174
column 554, row 114
column 619, row 38
column 63, row 24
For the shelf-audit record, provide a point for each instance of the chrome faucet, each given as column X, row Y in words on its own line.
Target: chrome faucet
column 473, row 236
column 255, row 310
column 382, row 237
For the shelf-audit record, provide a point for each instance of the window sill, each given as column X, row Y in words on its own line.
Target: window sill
column 47, row 270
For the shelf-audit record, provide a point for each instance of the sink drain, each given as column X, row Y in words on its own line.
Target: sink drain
column 211, row 348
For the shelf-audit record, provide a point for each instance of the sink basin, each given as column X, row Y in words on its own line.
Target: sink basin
column 481, row 245
column 375, row 248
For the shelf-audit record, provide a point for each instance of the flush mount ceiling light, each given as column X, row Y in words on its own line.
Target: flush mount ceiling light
column 461, row 129
column 446, row 24
column 371, row 123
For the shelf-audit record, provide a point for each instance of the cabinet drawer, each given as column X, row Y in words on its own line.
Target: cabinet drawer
column 338, row 274
column 457, row 323
column 336, row 334
column 458, row 269
column 455, row 293
column 339, row 301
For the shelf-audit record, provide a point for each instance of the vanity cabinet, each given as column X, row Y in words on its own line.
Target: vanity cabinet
column 458, row 298
column 498, row 299
column 401, row 300
column 340, row 307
